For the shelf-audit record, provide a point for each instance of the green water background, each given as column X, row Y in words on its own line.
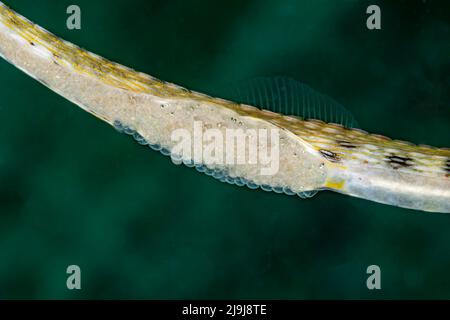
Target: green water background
column 74, row 191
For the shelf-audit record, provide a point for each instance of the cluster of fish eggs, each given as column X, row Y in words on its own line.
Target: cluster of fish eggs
column 221, row 175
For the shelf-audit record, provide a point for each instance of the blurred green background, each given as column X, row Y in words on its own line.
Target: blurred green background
column 74, row 191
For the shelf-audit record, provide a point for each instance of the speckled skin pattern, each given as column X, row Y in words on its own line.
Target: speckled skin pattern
column 313, row 155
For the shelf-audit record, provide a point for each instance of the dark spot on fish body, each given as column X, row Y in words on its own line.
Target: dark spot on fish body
column 329, row 155
column 346, row 144
column 447, row 167
column 398, row 161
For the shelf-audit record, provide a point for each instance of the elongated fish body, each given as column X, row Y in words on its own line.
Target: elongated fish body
column 313, row 155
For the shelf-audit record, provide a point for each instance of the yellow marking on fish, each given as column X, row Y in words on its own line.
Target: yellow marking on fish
column 334, row 184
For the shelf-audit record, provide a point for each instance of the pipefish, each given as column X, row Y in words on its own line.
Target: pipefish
column 313, row 154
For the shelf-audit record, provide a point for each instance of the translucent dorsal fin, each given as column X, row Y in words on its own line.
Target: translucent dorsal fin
column 290, row 97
